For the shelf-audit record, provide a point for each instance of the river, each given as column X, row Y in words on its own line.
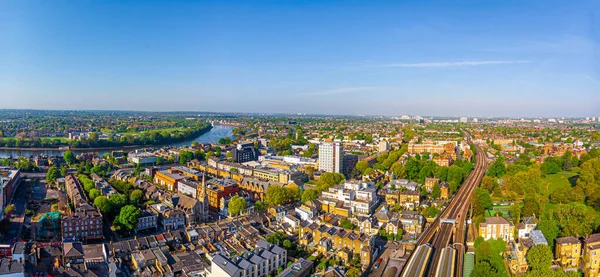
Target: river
column 217, row 132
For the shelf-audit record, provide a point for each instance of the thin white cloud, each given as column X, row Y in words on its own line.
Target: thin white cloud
column 340, row 91
column 452, row 64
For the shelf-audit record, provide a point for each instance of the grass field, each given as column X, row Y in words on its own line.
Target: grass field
column 495, row 209
column 551, row 182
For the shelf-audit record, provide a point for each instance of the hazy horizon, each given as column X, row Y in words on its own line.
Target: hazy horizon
column 306, row 114
column 434, row 58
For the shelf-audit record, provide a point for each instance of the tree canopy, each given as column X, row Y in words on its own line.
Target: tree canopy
column 236, row 205
column 128, row 217
column 102, row 203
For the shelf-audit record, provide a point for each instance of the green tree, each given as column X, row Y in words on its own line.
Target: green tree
column 88, row 186
column 63, row 170
column 287, row 244
column 550, row 168
column 24, row 164
column 497, row 169
column 412, row 169
column 539, row 257
column 294, row 192
column 575, row 219
column 102, row 203
column 561, row 194
column 431, row 212
column 128, row 217
column 567, row 161
column 118, row 200
column 309, row 195
column 442, row 173
column 236, row 205
column 259, row 206
column 329, row 179
column 52, row 174
column 276, row 195
column 225, row 140
column 93, row 194
column 69, row 157
column 489, row 183
column 481, row 201
column 9, row 209
column 362, row 166
column 353, row 272
column 136, row 196
column 409, row 134
column 531, row 206
column 484, row 269
column 436, row 192
column 345, row 223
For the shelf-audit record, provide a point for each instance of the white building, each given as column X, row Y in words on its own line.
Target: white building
column 147, row 220
column 188, row 187
column 526, row 226
column 403, row 183
column 143, row 158
column 304, row 214
column 359, row 197
column 384, row 146
column 330, row 157
column 265, row 260
column 463, row 120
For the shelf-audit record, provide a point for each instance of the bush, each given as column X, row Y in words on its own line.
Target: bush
column 29, row 212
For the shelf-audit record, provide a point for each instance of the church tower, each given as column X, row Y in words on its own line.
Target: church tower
column 204, row 198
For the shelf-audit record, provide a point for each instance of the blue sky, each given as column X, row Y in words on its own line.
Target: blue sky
column 455, row 58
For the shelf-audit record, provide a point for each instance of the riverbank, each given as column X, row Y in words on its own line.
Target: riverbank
column 104, row 148
column 210, row 136
column 75, row 149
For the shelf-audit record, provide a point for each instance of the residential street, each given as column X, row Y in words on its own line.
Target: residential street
column 16, row 223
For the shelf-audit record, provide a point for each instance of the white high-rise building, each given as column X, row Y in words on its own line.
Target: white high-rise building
column 331, row 156
column 475, row 120
column 463, row 119
column 383, row 146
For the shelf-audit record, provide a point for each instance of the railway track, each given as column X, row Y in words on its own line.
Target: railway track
column 450, row 226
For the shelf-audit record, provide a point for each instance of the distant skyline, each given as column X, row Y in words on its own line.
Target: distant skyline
column 439, row 58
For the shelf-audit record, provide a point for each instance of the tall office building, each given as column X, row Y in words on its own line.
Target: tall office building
column 331, row 156
column 245, row 152
column 463, row 120
column 348, row 163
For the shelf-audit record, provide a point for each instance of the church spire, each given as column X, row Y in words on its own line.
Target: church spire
column 204, row 197
column 203, row 194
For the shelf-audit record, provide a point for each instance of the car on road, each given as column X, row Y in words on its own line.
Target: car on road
column 377, row 263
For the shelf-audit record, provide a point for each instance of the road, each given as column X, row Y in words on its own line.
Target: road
column 16, row 223
column 390, row 250
column 33, row 175
column 450, row 225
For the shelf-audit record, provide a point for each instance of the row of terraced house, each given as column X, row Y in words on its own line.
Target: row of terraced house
column 85, row 221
